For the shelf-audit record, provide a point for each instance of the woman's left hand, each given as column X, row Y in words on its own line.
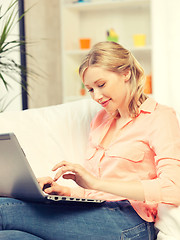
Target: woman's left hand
column 49, row 186
column 77, row 173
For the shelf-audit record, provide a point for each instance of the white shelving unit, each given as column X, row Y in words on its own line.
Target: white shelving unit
column 92, row 20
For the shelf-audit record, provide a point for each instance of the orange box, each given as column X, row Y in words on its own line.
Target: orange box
column 85, row 43
column 148, row 85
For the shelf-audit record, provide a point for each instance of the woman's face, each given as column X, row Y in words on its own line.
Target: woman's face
column 109, row 89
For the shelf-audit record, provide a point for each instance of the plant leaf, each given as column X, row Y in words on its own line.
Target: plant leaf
column 5, row 83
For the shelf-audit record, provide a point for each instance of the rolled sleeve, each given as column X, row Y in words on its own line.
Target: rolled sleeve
column 165, row 189
column 152, row 191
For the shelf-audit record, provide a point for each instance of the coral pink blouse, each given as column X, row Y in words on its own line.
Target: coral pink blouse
column 147, row 148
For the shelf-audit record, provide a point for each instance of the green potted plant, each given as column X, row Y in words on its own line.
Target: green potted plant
column 10, row 68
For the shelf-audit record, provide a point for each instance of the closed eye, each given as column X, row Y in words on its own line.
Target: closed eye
column 101, row 85
column 91, row 90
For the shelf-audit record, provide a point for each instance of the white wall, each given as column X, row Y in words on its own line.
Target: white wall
column 166, row 52
column 15, row 91
column 165, row 60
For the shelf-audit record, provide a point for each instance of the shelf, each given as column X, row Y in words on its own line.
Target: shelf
column 76, row 98
column 109, row 4
column 79, row 52
column 141, row 49
column 92, row 19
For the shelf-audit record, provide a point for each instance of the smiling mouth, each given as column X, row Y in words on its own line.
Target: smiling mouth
column 105, row 103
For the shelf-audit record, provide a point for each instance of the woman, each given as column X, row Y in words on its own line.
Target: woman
column 133, row 160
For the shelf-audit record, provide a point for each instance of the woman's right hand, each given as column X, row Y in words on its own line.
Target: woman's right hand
column 49, row 186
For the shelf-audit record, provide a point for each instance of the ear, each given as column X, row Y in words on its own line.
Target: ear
column 127, row 75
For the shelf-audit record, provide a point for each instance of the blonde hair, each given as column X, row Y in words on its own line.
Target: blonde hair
column 114, row 57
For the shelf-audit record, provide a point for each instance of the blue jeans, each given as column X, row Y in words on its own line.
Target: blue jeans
column 76, row 221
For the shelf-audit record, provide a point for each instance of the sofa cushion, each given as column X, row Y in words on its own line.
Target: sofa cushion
column 51, row 134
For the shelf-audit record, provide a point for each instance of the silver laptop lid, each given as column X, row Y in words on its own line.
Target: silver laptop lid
column 17, row 179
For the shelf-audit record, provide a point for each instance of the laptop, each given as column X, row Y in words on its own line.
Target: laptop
column 17, row 179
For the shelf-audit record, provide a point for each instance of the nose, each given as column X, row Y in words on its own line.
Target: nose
column 97, row 95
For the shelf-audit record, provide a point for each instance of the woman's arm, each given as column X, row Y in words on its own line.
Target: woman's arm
column 130, row 189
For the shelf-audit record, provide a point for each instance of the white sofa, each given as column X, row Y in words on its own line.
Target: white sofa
column 51, row 134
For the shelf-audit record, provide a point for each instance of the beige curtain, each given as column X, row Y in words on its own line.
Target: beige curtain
column 42, row 26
